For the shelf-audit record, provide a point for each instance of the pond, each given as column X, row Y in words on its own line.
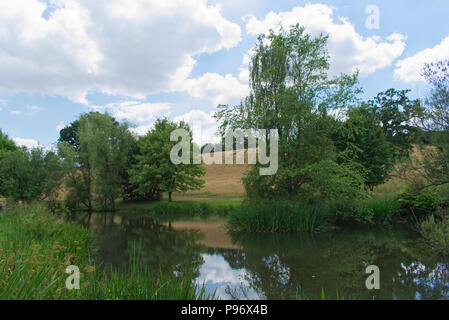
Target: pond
column 276, row 266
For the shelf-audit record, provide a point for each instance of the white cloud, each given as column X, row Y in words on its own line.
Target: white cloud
column 216, row 88
column 348, row 49
column 203, row 125
column 61, row 125
column 244, row 75
column 15, row 112
column 115, row 47
column 409, row 69
column 29, row 143
column 142, row 130
column 134, row 110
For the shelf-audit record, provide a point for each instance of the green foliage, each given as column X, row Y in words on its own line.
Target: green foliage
column 367, row 211
column 395, row 111
column 107, row 143
column 433, row 199
column 96, row 153
column 291, row 92
column 360, row 140
column 29, row 174
column 429, row 191
column 279, row 216
column 35, row 249
column 154, row 171
column 6, row 144
column 435, row 231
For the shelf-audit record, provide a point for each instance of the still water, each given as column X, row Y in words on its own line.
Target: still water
column 276, row 266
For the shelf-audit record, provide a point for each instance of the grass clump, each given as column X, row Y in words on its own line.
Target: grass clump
column 282, row 216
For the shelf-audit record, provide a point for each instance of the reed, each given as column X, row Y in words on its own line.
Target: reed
column 282, row 216
column 36, row 247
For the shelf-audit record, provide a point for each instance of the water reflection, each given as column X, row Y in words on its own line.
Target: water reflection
column 267, row 266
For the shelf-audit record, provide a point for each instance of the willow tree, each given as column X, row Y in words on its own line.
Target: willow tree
column 95, row 149
column 291, row 91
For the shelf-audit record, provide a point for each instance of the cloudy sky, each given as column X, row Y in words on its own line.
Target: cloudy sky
column 144, row 59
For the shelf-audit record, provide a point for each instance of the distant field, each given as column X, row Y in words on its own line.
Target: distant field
column 222, row 179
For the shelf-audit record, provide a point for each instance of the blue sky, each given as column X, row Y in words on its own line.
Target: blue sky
column 143, row 59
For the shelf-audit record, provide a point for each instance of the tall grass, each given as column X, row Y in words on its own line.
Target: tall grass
column 282, row 216
column 36, row 247
column 377, row 210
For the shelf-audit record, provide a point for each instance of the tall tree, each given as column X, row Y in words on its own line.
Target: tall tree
column 291, row 92
column 154, row 171
column 436, row 121
column 107, row 144
column 361, row 141
column 395, row 111
column 96, row 151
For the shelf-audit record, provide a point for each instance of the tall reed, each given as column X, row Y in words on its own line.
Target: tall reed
column 280, row 216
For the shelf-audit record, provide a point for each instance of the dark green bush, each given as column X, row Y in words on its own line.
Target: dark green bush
column 435, row 231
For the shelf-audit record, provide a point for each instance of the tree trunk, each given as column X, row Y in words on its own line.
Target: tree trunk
column 169, row 196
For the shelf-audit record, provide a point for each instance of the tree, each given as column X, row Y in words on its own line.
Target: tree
column 291, row 92
column 6, row 144
column 107, row 144
column 28, row 174
column 154, row 171
column 395, row 111
column 435, row 119
column 79, row 175
column 360, row 141
column 96, row 151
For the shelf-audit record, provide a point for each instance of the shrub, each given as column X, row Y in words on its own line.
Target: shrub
column 374, row 210
column 435, row 231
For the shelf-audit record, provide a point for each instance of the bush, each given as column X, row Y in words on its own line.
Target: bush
column 435, row 231
column 374, row 210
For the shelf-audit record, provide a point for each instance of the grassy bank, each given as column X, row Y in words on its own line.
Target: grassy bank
column 188, row 208
column 36, row 248
column 291, row 216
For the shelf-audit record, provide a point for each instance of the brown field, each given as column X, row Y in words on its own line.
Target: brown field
column 224, row 179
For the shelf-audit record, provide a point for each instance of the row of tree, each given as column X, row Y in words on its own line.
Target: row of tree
column 97, row 162
column 331, row 144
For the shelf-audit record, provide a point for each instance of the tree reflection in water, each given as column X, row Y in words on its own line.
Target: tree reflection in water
column 279, row 266
column 152, row 244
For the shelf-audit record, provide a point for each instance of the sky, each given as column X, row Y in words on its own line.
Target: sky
column 140, row 60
